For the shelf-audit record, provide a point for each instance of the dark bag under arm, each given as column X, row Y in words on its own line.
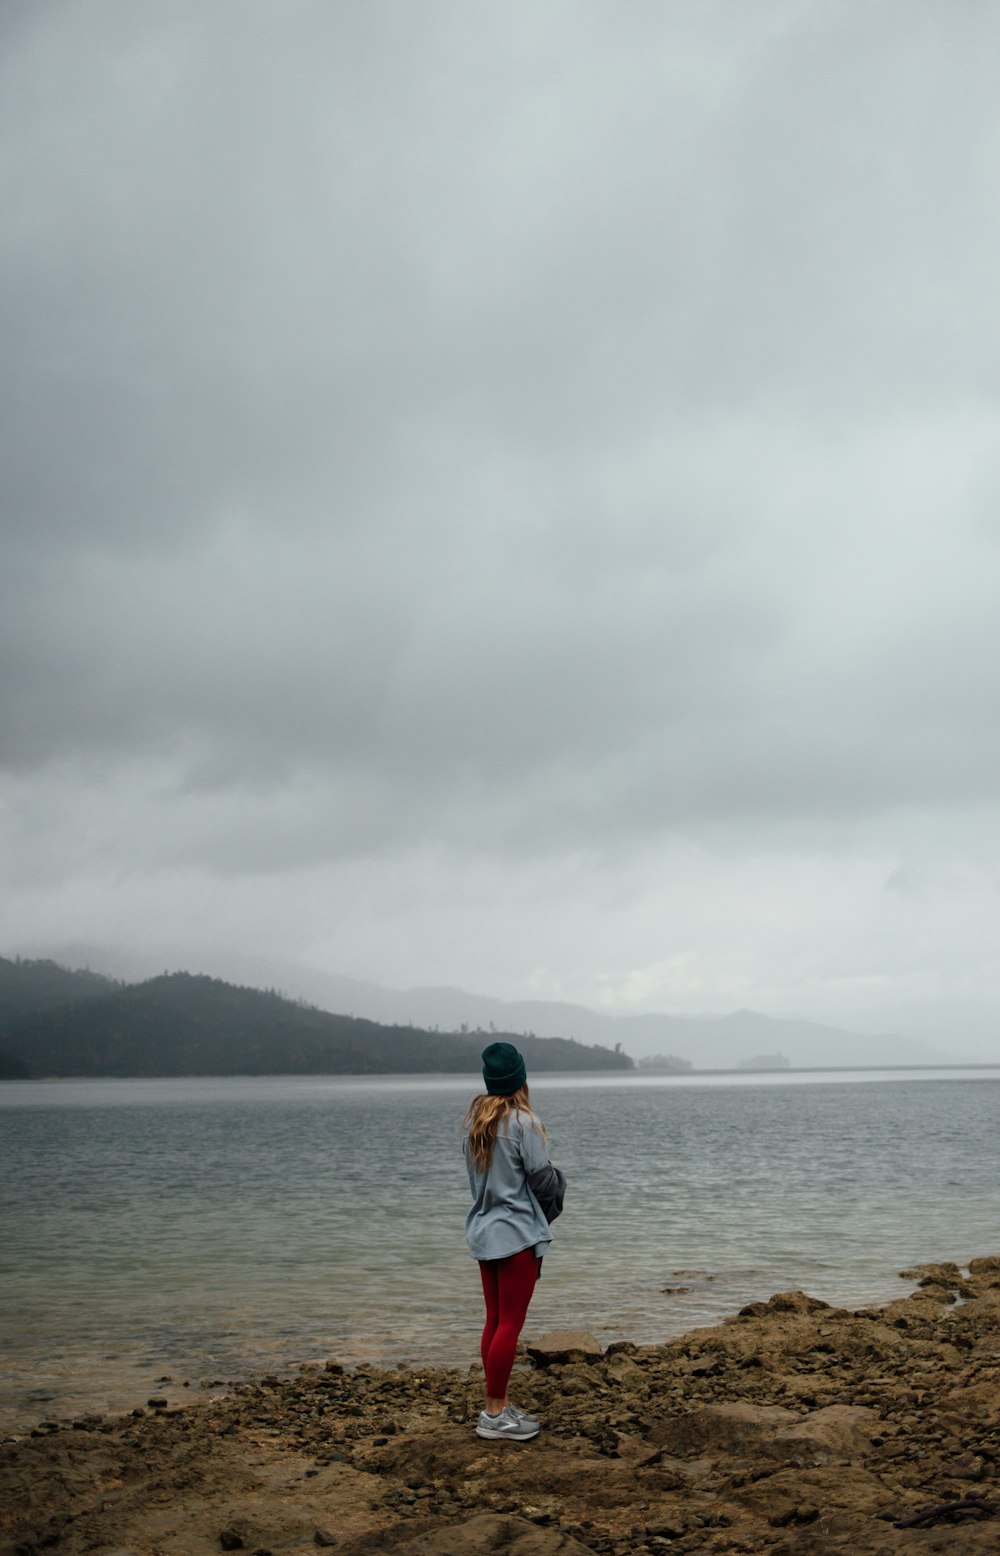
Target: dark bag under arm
column 548, row 1185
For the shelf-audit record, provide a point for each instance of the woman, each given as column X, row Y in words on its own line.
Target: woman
column 516, row 1192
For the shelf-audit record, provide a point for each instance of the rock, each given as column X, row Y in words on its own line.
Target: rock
column 579, row 1379
column 910, row 1312
column 513, row 1536
column 785, row 1302
column 969, row 1467
column 563, row 1345
column 323, row 1537
column 231, row 1540
column 667, row 1529
column 700, row 1366
column 837, row 1432
column 669, row 1474
column 946, row 1274
column 989, row 1265
column 792, row 1513
column 930, row 1287
column 621, row 1369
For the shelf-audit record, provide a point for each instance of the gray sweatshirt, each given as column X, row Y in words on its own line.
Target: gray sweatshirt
column 506, row 1216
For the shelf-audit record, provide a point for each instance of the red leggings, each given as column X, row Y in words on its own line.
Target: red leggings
column 507, row 1287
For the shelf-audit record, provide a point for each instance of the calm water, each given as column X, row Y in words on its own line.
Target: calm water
column 204, row 1229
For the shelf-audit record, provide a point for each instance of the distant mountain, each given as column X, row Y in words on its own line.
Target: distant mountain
column 724, row 1042
column 179, row 1024
column 709, row 1042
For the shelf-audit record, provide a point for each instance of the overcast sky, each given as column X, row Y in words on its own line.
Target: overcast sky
column 506, row 495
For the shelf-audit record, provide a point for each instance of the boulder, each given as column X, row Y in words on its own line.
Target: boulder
column 742, row 1430
column 479, row 1536
column 937, row 1292
column 564, row 1345
column 783, row 1500
column 837, row 1432
column 923, row 1307
column 946, row 1274
column 622, row 1370
column 986, row 1266
column 784, row 1302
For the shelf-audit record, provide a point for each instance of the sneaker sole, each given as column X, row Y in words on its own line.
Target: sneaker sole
column 510, row 1437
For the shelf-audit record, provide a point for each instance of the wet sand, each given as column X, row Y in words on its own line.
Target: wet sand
column 792, row 1427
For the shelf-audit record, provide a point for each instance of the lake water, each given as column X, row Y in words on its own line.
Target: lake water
column 205, row 1229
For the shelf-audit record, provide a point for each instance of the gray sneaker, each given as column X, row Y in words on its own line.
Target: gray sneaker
column 508, row 1425
column 522, row 1415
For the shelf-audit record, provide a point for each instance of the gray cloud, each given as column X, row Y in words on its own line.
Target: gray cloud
column 497, row 434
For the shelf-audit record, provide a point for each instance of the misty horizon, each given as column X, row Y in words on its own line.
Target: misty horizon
column 724, row 1040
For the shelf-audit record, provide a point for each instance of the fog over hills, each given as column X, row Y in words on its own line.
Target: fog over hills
column 58, row 1022
column 707, row 1041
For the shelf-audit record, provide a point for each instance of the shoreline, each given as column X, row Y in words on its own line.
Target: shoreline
column 110, row 1375
column 619, row 1073
column 790, row 1427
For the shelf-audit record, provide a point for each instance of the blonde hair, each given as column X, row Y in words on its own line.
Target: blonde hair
column 483, row 1120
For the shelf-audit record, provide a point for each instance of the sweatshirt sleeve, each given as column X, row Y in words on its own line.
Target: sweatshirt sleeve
column 531, row 1145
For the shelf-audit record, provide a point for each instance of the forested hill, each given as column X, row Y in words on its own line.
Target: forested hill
column 28, row 986
column 180, row 1024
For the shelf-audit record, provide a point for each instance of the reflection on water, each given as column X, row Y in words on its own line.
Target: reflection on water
column 201, row 1229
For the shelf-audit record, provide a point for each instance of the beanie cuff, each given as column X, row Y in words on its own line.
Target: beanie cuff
column 506, row 1085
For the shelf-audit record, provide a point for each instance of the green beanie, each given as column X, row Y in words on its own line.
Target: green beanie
column 503, row 1069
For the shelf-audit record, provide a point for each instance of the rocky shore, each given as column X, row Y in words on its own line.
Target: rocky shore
column 793, row 1427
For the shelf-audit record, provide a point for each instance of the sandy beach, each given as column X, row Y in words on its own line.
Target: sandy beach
column 790, row 1427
